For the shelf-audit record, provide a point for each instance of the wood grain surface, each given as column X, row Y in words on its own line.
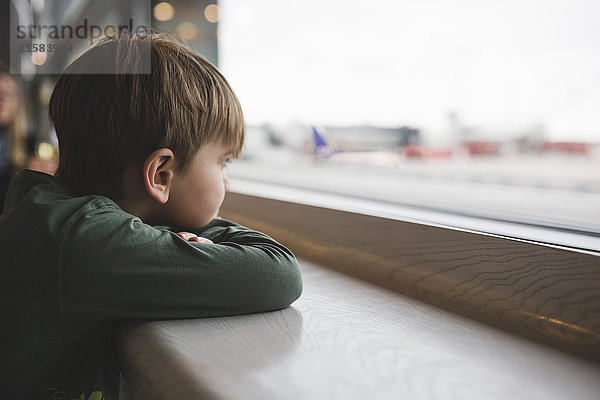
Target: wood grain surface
column 345, row 339
column 545, row 293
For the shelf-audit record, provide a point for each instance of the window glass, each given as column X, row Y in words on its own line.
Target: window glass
column 485, row 108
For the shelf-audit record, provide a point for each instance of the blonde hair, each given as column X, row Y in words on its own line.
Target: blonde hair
column 106, row 121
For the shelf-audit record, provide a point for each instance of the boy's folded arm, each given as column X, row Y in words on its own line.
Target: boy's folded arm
column 113, row 268
column 222, row 231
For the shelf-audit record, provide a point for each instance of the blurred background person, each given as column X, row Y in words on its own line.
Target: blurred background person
column 13, row 154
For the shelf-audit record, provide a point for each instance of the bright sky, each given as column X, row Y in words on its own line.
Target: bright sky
column 503, row 66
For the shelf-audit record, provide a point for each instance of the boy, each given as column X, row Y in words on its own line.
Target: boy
column 82, row 250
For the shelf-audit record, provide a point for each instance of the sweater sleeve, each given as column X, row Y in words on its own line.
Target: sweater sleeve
column 113, row 266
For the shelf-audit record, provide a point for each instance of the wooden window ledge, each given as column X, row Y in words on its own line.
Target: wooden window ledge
column 345, row 339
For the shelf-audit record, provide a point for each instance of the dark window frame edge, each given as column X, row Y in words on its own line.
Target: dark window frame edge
column 559, row 238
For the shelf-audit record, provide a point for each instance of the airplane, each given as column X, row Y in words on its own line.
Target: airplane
column 323, row 150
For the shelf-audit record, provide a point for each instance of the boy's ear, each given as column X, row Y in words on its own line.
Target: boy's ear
column 158, row 173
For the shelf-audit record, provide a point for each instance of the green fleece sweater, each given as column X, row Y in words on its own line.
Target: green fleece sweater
column 73, row 266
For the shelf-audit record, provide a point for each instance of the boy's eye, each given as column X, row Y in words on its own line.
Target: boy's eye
column 226, row 162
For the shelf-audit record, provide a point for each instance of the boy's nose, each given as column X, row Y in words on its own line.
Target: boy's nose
column 226, row 182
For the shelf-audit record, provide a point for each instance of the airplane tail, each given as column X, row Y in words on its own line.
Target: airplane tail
column 322, row 148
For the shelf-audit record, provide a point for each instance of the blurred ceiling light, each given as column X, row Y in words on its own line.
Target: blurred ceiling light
column 243, row 15
column 186, row 31
column 163, row 11
column 211, row 13
column 38, row 57
column 46, row 151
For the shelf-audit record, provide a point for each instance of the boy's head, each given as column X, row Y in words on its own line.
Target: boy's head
column 110, row 126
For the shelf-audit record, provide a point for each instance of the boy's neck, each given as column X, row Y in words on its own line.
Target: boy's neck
column 135, row 201
column 131, row 207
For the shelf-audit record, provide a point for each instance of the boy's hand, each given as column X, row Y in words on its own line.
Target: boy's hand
column 190, row 237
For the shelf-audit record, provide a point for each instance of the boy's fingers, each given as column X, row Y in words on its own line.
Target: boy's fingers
column 190, row 237
column 185, row 235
